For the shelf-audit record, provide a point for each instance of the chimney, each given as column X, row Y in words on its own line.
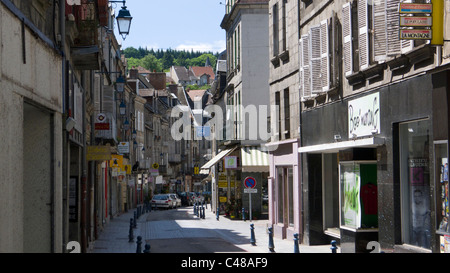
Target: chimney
column 134, row 73
column 157, row 80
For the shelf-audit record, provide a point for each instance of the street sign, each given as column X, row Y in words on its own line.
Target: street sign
column 250, row 190
column 415, row 8
column 250, row 182
column 416, row 21
column 415, row 34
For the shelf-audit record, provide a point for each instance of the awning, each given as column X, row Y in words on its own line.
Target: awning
column 218, row 157
column 254, row 159
column 335, row 147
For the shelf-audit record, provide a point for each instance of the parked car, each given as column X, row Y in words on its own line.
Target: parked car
column 184, row 198
column 162, row 201
column 175, row 198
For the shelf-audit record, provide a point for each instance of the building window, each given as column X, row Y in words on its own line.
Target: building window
column 414, row 159
column 315, row 61
column 278, row 105
column 276, row 39
column 284, row 33
column 370, row 30
column 287, row 113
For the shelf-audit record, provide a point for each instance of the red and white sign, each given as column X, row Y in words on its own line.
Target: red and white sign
column 415, row 34
column 416, row 21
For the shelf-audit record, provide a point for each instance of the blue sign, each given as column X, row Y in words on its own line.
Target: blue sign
column 250, row 182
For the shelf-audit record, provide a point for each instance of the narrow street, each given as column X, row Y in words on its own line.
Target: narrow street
column 180, row 231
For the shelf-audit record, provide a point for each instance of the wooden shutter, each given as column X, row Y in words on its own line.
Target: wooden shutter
column 300, row 65
column 363, row 33
column 379, row 33
column 347, row 35
column 315, row 61
column 395, row 46
column 325, row 56
column 306, row 75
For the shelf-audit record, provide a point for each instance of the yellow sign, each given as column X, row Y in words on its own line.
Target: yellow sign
column 116, row 161
column 98, row 153
column 127, row 169
column 155, row 166
column 222, row 184
column 438, row 22
column 222, row 199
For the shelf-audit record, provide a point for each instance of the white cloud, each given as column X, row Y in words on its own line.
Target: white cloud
column 215, row 46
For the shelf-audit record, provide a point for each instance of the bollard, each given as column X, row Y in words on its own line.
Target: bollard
column 333, row 246
column 130, row 233
column 203, row 209
column 296, row 248
column 252, row 235
column 147, row 248
column 134, row 219
column 195, row 211
column 271, row 245
column 243, row 214
column 139, row 243
column 217, row 214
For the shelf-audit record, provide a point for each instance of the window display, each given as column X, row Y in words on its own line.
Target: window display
column 359, row 195
column 442, row 188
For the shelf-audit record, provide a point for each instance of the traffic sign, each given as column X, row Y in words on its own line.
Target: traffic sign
column 250, row 182
column 250, row 190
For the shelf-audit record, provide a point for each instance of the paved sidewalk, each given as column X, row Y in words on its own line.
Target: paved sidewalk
column 114, row 237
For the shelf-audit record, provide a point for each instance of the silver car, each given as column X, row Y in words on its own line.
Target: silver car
column 162, row 201
column 176, row 199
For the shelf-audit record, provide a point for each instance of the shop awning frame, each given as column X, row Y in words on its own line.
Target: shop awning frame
column 335, row 147
column 218, row 157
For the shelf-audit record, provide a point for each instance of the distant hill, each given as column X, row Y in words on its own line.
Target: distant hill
column 161, row 60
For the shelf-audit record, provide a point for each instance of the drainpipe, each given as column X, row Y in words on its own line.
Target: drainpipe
column 62, row 26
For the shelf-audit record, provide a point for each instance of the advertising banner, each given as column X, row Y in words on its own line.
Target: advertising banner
column 350, row 191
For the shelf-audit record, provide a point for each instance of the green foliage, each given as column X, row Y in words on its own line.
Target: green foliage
column 162, row 60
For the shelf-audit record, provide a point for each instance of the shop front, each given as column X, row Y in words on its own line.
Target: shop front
column 285, row 190
column 375, row 168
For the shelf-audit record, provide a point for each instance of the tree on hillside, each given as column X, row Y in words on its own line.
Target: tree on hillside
column 150, row 62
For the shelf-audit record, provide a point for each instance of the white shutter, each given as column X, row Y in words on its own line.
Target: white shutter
column 379, row 27
column 347, row 35
column 395, row 46
column 306, row 76
column 300, row 65
column 325, row 56
column 315, row 61
column 363, row 33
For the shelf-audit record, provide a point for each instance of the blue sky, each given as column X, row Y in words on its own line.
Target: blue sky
column 176, row 24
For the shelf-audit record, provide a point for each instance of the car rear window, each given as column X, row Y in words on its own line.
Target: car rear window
column 160, row 197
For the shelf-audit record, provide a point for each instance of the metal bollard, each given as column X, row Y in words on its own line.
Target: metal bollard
column 217, row 214
column 147, row 248
column 139, row 243
column 296, row 248
column 333, row 246
column 203, row 216
column 195, row 211
column 243, row 214
column 252, row 235
column 271, row 245
column 134, row 219
column 130, row 233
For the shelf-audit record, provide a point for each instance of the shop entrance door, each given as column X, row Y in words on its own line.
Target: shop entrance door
column 285, row 197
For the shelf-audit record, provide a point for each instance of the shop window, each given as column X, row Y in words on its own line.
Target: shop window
column 330, row 194
column 442, row 202
column 415, row 182
column 285, row 196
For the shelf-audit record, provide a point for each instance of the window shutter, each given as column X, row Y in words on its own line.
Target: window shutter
column 379, row 27
column 363, row 33
column 315, row 61
column 300, row 65
column 325, row 56
column 306, row 76
column 347, row 35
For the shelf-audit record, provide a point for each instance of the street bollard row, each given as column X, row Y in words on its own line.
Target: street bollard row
column 199, row 211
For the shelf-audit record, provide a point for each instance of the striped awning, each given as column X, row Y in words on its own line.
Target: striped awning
column 254, row 159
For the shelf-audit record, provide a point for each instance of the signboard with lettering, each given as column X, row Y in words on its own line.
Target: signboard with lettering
column 416, row 21
column 415, row 8
column 98, row 153
column 415, row 34
column 364, row 116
